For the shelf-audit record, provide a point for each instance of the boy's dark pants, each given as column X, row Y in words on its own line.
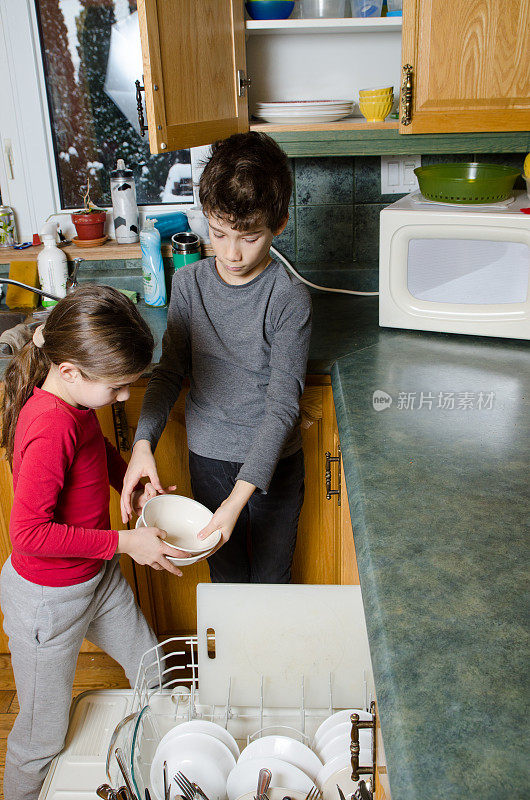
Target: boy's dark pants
column 262, row 544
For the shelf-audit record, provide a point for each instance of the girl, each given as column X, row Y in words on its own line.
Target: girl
column 63, row 582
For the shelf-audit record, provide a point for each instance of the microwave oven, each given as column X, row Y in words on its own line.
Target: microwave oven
column 456, row 269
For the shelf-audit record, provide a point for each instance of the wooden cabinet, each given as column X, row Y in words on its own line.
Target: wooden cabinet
column 471, row 68
column 324, row 552
column 469, row 59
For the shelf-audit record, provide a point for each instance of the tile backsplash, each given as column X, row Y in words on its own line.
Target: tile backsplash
column 332, row 236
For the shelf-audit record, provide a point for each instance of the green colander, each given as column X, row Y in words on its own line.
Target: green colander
column 469, row 182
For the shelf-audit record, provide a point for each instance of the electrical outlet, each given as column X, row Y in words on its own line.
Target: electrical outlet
column 397, row 174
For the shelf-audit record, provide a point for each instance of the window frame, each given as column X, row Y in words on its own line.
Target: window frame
column 28, row 172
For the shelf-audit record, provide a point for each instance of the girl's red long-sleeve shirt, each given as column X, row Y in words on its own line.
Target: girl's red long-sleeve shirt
column 63, row 468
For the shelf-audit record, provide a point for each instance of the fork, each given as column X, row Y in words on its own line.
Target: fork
column 314, row 794
column 190, row 790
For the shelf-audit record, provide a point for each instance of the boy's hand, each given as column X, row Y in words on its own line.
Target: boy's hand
column 139, row 498
column 227, row 514
column 147, row 546
column 141, row 465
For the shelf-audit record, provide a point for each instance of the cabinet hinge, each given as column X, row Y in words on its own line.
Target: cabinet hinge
column 242, row 83
column 406, row 95
column 329, row 491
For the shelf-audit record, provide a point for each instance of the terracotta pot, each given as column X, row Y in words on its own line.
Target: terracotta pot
column 89, row 226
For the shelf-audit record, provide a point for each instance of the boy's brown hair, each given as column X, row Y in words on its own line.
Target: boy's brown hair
column 248, row 181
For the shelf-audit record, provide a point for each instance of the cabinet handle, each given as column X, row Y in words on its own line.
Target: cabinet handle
column 356, row 725
column 329, row 490
column 140, row 107
column 121, row 426
column 406, row 95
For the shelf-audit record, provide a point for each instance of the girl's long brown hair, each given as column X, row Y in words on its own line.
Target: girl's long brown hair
column 97, row 329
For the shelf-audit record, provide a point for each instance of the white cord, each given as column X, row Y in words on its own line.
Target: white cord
column 314, row 285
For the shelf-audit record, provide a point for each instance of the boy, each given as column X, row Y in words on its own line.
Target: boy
column 238, row 326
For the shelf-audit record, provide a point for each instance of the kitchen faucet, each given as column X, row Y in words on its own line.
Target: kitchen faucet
column 71, row 283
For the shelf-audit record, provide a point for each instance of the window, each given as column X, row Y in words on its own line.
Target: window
column 92, row 57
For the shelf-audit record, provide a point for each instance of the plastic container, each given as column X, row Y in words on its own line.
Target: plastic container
column 124, row 207
column 468, row 182
column 366, row 8
column 269, row 9
column 395, row 8
column 8, row 231
column 186, row 249
column 52, row 265
column 320, row 9
column 152, row 265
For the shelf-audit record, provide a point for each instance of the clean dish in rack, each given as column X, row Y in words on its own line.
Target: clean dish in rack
column 286, row 749
column 202, row 758
column 244, row 777
column 342, row 732
column 203, row 726
column 337, row 719
column 336, row 765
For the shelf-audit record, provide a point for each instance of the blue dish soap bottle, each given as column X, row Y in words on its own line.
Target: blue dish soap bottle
column 152, row 265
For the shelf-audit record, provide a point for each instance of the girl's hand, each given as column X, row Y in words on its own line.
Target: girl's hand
column 139, row 498
column 141, row 465
column 227, row 514
column 146, row 546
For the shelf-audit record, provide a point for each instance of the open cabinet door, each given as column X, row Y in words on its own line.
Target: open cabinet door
column 192, row 52
column 470, row 65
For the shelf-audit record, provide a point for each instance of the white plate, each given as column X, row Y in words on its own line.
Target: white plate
column 244, row 777
column 179, row 562
column 343, row 779
column 203, row 759
column 339, row 763
column 203, row 726
column 336, row 719
column 304, row 103
column 341, row 733
column 286, row 749
column 301, row 118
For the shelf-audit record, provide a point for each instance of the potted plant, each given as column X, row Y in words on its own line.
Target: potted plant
column 90, row 220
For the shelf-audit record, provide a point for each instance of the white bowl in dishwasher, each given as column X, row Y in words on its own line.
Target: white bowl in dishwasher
column 336, row 719
column 287, row 749
column 203, row 726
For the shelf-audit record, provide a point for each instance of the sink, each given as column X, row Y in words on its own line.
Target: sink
column 8, row 319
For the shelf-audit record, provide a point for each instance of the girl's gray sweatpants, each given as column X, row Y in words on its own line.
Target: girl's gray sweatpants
column 46, row 626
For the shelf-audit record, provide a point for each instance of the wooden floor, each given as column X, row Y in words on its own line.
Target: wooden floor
column 94, row 671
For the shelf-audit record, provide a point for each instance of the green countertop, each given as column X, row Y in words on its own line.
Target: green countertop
column 439, row 499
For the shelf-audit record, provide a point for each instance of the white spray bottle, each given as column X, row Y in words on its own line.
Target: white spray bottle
column 52, row 265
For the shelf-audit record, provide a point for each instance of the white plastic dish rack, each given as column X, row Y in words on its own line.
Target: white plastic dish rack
column 167, row 686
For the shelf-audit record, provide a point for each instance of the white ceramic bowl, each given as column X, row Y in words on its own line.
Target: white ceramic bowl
column 343, row 779
column 203, row 726
column 182, row 518
column 244, row 777
column 339, row 763
column 203, row 759
column 179, row 562
column 286, row 749
column 340, row 734
column 341, row 746
column 337, row 719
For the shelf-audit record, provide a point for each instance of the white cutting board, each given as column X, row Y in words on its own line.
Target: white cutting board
column 283, row 632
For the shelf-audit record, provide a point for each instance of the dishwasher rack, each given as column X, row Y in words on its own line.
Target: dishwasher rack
column 167, row 693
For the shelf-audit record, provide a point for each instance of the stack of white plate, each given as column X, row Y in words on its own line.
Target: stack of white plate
column 304, row 111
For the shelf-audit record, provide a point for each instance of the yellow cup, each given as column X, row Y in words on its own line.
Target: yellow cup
column 376, row 110
column 376, row 92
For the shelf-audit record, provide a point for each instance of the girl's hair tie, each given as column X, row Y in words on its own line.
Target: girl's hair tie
column 38, row 336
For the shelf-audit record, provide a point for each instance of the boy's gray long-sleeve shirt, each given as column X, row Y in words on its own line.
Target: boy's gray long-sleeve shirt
column 244, row 348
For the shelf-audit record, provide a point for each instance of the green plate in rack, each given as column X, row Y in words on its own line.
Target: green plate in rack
column 469, row 182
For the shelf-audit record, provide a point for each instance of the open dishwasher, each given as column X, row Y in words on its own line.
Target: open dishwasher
column 266, row 659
